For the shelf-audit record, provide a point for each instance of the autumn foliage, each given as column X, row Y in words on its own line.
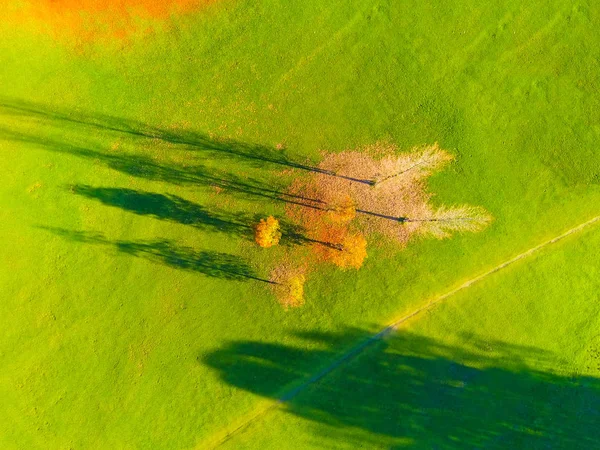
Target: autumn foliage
column 288, row 284
column 350, row 196
column 352, row 252
column 380, row 192
column 343, row 211
column 375, row 191
column 444, row 221
column 294, row 292
column 267, row 232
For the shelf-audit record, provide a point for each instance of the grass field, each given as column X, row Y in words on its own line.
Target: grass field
column 513, row 362
column 132, row 166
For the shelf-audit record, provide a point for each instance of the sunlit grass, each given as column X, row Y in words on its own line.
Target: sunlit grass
column 126, row 164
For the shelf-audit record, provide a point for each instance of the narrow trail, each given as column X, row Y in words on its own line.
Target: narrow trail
column 253, row 417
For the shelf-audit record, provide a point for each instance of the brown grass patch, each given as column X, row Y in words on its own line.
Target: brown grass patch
column 391, row 186
column 371, row 192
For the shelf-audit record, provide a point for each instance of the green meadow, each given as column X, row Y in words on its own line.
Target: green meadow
column 134, row 311
column 512, row 363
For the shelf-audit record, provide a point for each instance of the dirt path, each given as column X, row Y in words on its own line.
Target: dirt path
column 253, row 417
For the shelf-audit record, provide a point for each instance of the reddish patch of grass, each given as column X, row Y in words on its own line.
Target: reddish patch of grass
column 92, row 20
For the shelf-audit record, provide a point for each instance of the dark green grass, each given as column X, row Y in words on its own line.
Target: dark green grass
column 124, row 269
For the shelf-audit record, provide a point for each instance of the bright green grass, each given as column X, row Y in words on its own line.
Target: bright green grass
column 103, row 349
column 512, row 362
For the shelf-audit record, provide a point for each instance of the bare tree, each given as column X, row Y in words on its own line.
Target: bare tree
column 421, row 164
column 398, row 197
column 370, row 193
column 446, row 220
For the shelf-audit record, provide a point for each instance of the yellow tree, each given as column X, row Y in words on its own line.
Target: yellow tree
column 348, row 249
column 343, row 211
column 354, row 252
column 288, row 285
column 419, row 165
column 267, row 232
column 293, row 295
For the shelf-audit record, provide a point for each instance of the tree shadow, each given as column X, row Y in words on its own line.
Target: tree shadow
column 176, row 209
column 163, row 251
column 209, row 146
column 167, row 207
column 146, row 167
column 411, row 391
column 79, row 144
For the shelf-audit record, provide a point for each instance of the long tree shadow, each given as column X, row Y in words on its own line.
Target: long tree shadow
column 142, row 166
column 163, row 251
column 411, row 391
column 218, row 148
column 209, row 146
column 146, row 167
column 176, row 209
column 167, row 207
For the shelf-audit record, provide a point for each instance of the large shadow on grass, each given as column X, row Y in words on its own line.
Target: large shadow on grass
column 163, row 251
column 413, row 392
column 167, row 207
